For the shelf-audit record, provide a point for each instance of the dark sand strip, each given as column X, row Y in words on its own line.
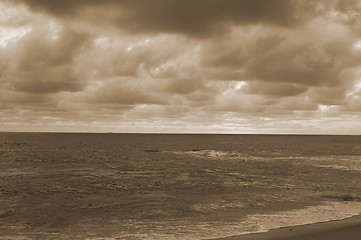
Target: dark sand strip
column 347, row 229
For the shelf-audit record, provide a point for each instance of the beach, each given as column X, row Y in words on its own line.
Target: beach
column 348, row 229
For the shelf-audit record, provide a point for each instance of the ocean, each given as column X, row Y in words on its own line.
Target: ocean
column 172, row 186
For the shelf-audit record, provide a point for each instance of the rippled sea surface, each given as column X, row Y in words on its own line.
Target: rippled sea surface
column 144, row 186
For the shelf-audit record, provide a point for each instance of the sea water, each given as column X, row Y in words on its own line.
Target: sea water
column 146, row 186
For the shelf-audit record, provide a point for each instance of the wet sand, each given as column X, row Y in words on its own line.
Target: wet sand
column 348, row 229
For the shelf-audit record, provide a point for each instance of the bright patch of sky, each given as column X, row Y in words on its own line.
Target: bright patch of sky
column 9, row 34
column 240, row 85
column 55, row 29
column 357, row 45
column 100, row 41
column 324, row 108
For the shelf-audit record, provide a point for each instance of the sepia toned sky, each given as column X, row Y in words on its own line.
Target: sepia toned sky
column 215, row 66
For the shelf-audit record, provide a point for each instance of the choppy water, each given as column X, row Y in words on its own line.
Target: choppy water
column 143, row 186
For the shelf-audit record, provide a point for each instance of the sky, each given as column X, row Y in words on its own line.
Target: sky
column 181, row 66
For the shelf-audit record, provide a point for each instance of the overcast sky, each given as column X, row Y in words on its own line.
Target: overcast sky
column 215, row 66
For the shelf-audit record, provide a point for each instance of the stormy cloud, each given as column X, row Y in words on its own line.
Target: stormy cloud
column 180, row 66
column 194, row 18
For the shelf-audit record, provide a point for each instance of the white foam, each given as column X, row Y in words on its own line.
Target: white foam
column 216, row 155
column 313, row 214
column 338, row 162
column 252, row 224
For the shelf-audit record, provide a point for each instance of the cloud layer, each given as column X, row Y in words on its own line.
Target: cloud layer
column 181, row 66
column 194, row 18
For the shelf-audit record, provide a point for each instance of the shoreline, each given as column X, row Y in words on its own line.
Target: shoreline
column 348, row 228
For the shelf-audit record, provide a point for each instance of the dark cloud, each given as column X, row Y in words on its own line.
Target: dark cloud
column 328, row 96
column 195, row 18
column 274, row 90
column 132, row 65
column 279, row 58
column 307, row 65
column 240, row 48
column 123, row 92
column 184, row 86
column 39, row 87
column 204, row 17
column 316, row 60
column 21, row 99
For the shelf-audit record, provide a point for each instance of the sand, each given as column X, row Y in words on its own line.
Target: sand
column 347, row 229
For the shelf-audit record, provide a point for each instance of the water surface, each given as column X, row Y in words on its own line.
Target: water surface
column 144, row 186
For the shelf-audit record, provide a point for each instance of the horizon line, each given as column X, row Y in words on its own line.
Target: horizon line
column 185, row 133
